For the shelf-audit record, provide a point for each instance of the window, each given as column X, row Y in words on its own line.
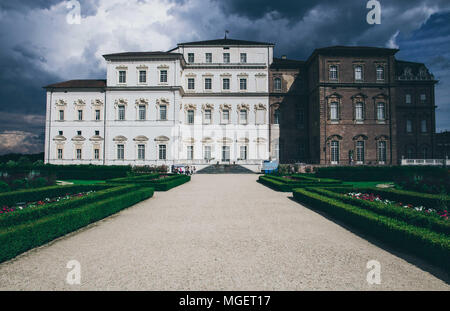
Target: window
column 142, row 112
column 97, row 115
column 163, row 76
column 191, row 84
column 360, row 152
column 382, row 151
column 243, row 57
column 190, row 116
column 358, row 73
column 359, row 111
column 79, row 133
column 142, row 76
column 301, row 117
column 80, row 115
column 162, row 152
column 380, row 73
column 226, row 58
column 276, row 116
column 410, row 153
column 141, row 152
column 424, row 152
column 121, row 112
column 243, row 84
column 208, row 58
column 97, row 133
column 423, row 126
column 277, row 84
column 207, row 153
column 61, row 115
column 96, row 154
column 334, row 111
column 408, row 126
column 122, row 76
column 208, row 83
column 79, row 154
column 163, row 112
column 120, row 152
column 225, row 153
column 381, row 112
column 226, row 83
column 408, row 98
column 60, row 154
column 60, row 133
column 190, row 152
column 243, row 153
column 243, row 116
column 207, row 116
column 333, row 72
column 191, row 58
column 334, row 152
column 260, row 116
column 226, row 116
column 423, row 98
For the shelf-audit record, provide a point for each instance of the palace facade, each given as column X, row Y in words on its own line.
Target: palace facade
column 231, row 101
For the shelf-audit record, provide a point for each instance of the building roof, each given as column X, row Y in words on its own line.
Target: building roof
column 226, row 41
column 141, row 54
column 78, row 84
column 353, row 49
column 284, row 63
column 412, row 71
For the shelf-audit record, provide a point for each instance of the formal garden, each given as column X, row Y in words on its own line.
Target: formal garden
column 405, row 207
column 33, row 213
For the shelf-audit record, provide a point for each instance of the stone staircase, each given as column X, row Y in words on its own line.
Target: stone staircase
column 225, row 169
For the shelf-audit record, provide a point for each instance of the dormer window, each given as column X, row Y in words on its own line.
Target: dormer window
column 122, row 76
column 191, row 58
column 208, row 58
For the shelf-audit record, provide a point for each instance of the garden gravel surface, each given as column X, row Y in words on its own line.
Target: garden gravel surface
column 218, row 232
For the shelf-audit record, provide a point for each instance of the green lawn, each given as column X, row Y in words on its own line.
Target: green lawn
column 365, row 184
column 84, row 182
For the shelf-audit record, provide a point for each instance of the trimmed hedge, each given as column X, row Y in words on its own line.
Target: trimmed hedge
column 135, row 179
column 31, row 195
column 431, row 246
column 286, row 185
column 32, row 214
column 18, row 239
column 434, row 223
column 163, row 184
column 274, row 184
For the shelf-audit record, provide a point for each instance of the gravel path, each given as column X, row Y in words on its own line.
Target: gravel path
column 218, row 232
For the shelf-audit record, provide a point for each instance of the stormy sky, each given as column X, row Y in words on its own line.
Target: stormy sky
column 39, row 46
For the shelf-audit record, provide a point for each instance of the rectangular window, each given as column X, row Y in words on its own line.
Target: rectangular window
column 243, row 84
column 226, row 58
column 208, row 83
column 380, row 73
column 142, row 112
column 163, row 76
column 382, row 151
column 260, row 116
column 208, row 58
column 226, row 83
column 243, row 116
column 163, row 112
column 334, row 152
column 97, row 133
column 122, row 76
column 121, row 112
column 360, row 151
column 333, row 72
column 408, row 98
column 207, row 153
column 381, row 112
column 96, row 153
column 60, row 154
column 408, row 126
column 142, row 76
column 334, row 113
column 120, row 152
column 162, row 152
column 141, row 152
column 61, row 115
column 78, row 154
column 190, row 116
column 358, row 73
column 243, row 57
column 191, row 84
column 207, row 116
column 243, row 153
column 359, row 112
column 423, row 97
column 423, row 126
column 191, row 58
column 97, row 115
column 225, row 153
column 226, row 116
column 61, row 133
column 79, row 133
column 190, row 152
column 80, row 115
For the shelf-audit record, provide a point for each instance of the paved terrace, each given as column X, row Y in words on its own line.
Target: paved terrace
column 218, row 232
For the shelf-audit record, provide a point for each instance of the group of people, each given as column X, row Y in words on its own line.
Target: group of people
column 187, row 170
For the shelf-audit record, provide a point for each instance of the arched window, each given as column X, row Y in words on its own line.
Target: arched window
column 276, row 116
column 277, row 84
column 333, row 72
column 359, row 111
column 380, row 73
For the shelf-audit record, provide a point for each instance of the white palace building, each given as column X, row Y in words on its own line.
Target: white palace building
column 197, row 104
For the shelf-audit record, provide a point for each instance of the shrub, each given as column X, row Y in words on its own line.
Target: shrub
column 19, row 184
column 38, row 182
column 431, row 246
column 151, row 180
column 4, row 187
column 18, row 239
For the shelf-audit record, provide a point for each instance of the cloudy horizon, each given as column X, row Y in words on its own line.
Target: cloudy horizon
column 40, row 47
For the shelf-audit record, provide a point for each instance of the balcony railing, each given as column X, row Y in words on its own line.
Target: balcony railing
column 431, row 162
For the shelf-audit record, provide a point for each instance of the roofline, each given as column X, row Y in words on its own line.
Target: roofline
column 347, row 49
column 220, row 45
column 142, row 55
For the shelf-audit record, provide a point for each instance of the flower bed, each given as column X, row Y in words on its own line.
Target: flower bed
column 41, row 203
column 377, row 198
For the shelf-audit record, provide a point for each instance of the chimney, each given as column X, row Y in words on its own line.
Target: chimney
column 283, row 56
